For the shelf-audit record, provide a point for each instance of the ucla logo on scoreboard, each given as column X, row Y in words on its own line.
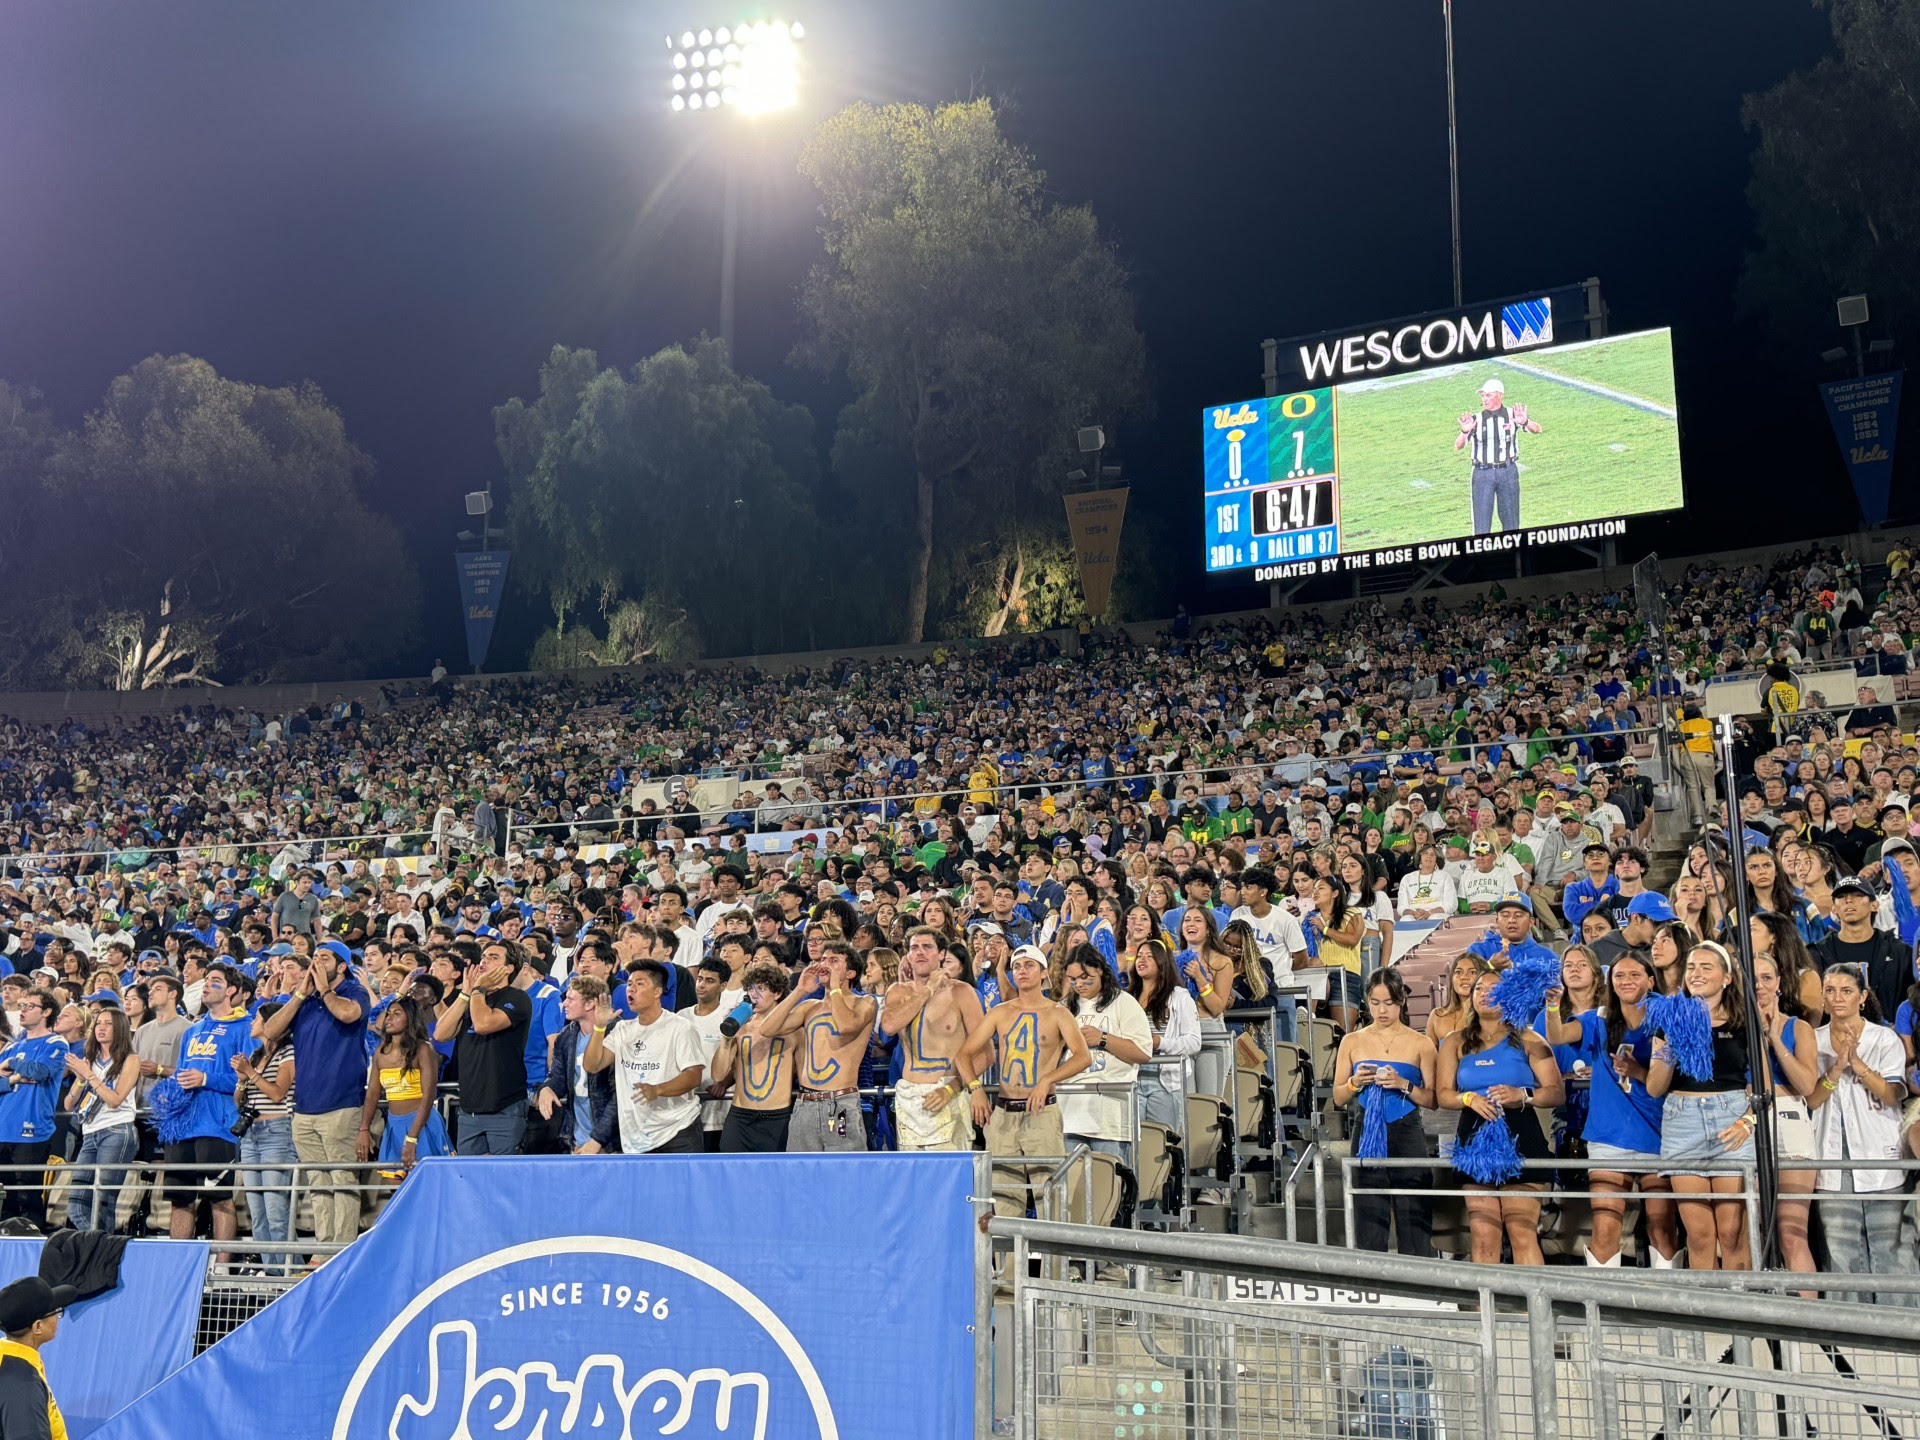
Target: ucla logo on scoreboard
column 586, row 1336
column 1526, row 323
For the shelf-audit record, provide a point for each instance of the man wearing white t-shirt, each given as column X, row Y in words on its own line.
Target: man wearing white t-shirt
column 660, row 1061
column 726, row 901
column 1281, row 942
column 714, row 1002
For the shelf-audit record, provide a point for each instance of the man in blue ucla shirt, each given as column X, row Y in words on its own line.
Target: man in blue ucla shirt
column 205, row 1134
column 30, row 1067
column 1511, row 939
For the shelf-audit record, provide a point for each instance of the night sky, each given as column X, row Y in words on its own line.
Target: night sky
column 410, row 201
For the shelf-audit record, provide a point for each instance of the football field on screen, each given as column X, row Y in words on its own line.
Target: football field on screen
column 1609, row 442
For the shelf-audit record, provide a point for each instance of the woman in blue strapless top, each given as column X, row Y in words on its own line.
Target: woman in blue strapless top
column 1389, row 1069
column 1488, row 1070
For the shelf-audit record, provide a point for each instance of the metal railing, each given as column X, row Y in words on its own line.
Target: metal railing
column 1269, row 1337
column 419, row 840
column 134, row 1187
column 1748, row 1195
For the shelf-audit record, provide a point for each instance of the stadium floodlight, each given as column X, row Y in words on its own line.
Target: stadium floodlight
column 752, row 67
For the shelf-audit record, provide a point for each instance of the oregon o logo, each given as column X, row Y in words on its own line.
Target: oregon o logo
column 585, row 1336
column 1308, row 404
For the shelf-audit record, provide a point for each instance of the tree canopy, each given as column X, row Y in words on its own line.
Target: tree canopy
column 198, row 529
column 680, row 487
column 981, row 324
column 1835, row 193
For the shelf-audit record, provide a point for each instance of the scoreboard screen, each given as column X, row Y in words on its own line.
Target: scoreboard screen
column 1435, row 461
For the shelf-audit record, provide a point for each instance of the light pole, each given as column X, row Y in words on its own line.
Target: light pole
column 752, row 69
column 1453, row 155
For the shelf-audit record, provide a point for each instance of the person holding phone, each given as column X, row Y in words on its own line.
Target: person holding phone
column 1389, row 1056
column 1622, row 1126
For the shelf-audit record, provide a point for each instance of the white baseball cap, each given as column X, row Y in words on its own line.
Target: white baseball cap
column 1495, row 386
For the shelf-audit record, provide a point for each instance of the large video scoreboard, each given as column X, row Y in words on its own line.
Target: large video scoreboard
column 1441, row 436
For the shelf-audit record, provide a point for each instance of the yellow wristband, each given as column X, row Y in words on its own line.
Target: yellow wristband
column 1206, row 989
column 599, row 1029
column 975, row 1085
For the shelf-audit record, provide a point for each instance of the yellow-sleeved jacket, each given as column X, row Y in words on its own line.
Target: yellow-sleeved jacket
column 27, row 1407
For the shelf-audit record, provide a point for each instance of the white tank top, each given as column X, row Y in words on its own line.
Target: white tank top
column 95, row 1114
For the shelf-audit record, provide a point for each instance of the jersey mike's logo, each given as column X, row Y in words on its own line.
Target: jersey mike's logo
column 585, row 1336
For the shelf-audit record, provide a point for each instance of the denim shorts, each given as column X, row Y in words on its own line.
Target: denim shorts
column 1621, row 1160
column 1343, row 988
column 1690, row 1127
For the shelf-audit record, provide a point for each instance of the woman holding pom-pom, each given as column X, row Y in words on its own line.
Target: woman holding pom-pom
column 1496, row 1074
column 1389, row 1068
column 1622, row 1127
column 1707, row 1114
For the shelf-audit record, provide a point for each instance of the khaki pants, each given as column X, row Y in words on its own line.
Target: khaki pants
column 915, row 1129
column 328, row 1139
column 1696, row 772
column 1011, row 1132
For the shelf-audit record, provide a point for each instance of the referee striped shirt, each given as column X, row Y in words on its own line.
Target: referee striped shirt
column 1496, row 439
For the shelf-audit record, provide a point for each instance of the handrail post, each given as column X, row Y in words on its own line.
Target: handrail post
column 984, row 1373
column 1540, row 1363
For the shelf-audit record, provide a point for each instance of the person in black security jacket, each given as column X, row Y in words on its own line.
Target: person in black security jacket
column 30, row 1311
column 597, row 1132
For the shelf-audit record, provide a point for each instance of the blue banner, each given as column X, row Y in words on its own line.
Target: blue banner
column 1865, row 413
column 483, row 580
column 751, row 1297
column 114, row 1348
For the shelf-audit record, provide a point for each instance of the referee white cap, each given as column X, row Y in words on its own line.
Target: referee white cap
column 1495, row 386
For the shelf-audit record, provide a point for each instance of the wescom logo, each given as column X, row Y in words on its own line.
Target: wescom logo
column 585, row 1335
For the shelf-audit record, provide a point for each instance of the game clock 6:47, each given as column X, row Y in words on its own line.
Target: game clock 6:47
column 1272, row 480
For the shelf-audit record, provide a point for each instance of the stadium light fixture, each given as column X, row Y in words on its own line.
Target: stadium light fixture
column 752, row 67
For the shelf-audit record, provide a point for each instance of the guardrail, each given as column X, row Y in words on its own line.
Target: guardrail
column 1248, row 776
column 49, row 1188
column 1274, row 1337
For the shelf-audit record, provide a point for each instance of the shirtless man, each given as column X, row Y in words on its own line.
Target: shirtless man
column 1039, row 1045
column 934, row 1014
column 760, row 1065
column 834, row 1028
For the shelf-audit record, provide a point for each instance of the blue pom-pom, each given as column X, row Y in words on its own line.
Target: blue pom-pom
column 168, row 1106
column 1906, row 917
column 1489, row 1156
column 1373, row 1127
column 1684, row 1023
column 1521, row 993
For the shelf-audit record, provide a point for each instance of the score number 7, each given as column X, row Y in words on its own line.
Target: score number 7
column 1297, row 407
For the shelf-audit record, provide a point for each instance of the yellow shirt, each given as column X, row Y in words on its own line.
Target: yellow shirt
column 10, row 1349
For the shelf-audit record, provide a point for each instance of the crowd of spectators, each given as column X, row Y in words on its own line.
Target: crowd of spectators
column 240, row 941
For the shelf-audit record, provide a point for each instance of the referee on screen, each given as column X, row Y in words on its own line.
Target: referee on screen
column 1493, row 433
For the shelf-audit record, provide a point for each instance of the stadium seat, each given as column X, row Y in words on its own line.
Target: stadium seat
column 1208, row 1133
column 1158, row 1150
column 1113, row 1187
